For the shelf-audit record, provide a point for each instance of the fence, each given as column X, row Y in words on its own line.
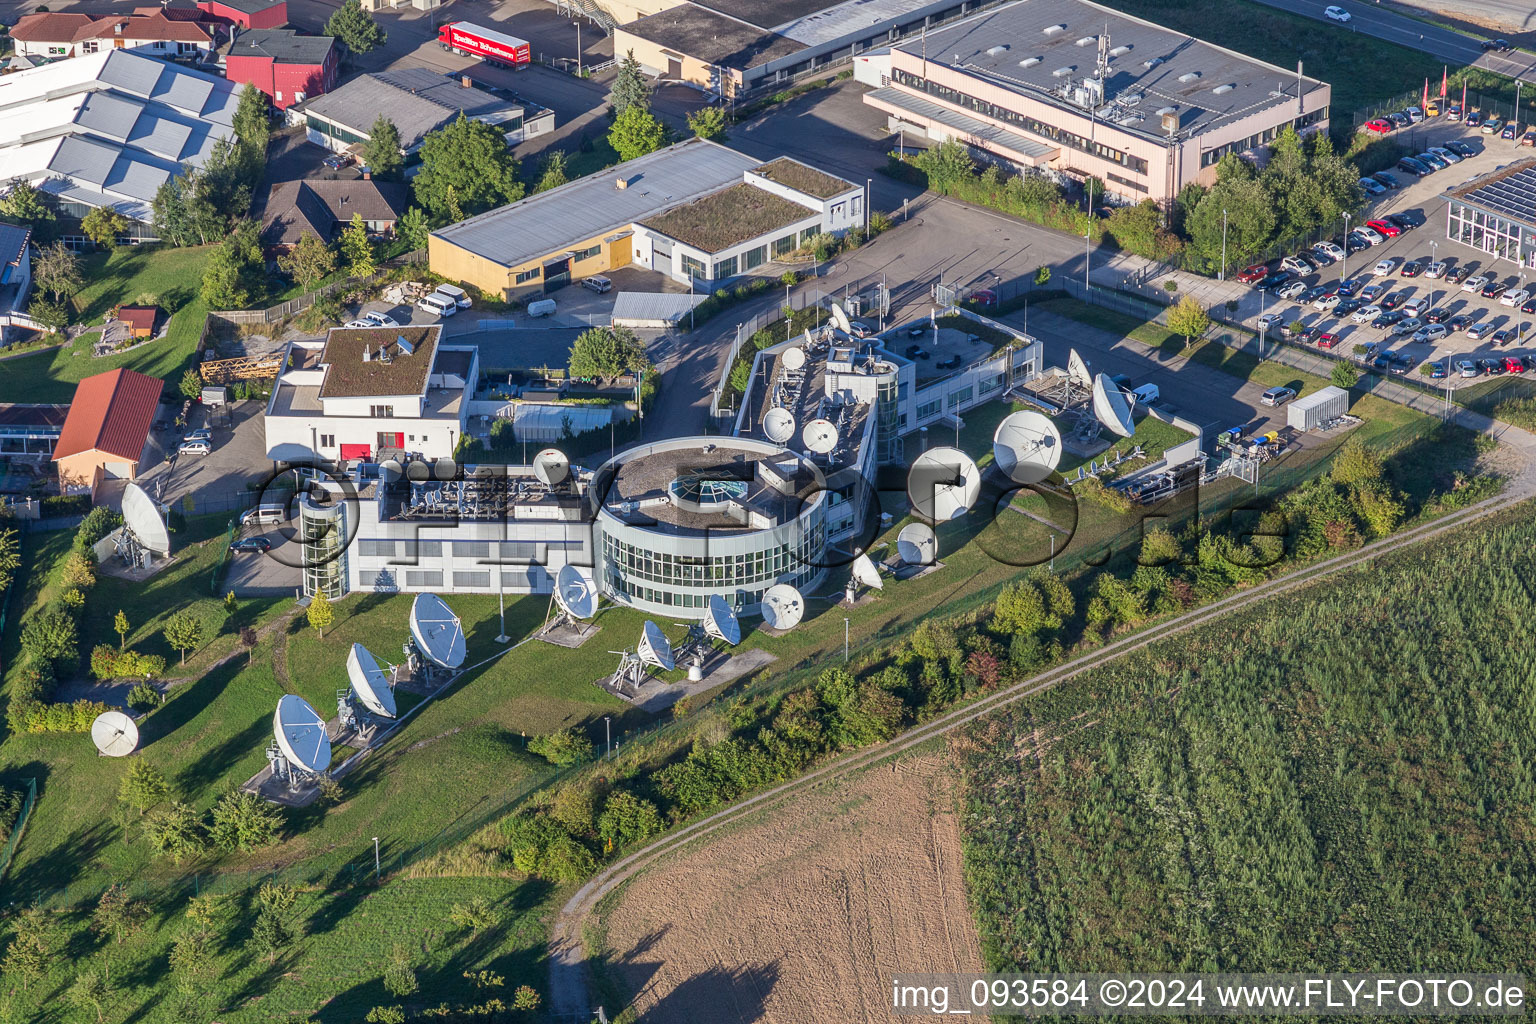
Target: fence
column 218, row 567
column 21, row 823
column 284, row 310
column 744, row 332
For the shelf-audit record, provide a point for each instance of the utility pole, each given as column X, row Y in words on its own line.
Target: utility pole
column 845, row 640
column 1223, row 275
column 578, row 46
column 607, row 737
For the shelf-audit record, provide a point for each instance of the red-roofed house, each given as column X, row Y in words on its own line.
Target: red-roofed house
column 140, row 320
column 107, row 427
column 247, row 13
column 51, row 35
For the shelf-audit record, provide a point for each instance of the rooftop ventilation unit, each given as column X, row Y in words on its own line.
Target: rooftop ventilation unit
column 1062, row 72
column 1190, row 76
column 1222, row 90
column 1130, row 99
column 1120, row 51
column 1029, row 62
column 1052, row 30
column 1151, row 63
column 996, row 50
column 1087, row 40
column 1165, row 111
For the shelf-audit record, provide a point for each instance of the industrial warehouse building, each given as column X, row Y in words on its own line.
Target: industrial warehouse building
column 1078, row 89
column 696, row 211
column 1495, row 213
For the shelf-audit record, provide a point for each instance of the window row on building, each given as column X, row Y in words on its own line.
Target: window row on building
column 1264, row 138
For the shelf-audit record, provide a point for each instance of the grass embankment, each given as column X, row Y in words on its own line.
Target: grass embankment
column 1511, row 399
column 1326, row 782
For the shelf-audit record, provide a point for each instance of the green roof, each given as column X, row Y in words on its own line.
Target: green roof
column 728, row 217
column 348, row 375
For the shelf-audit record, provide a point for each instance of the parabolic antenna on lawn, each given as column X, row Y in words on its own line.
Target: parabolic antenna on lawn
column 115, row 734
column 369, row 683
column 782, row 607
column 943, row 484
column 142, row 517
column 1110, row 406
column 438, row 631
column 779, row 424
column 865, row 572
column 720, row 621
column 301, row 736
column 794, row 358
column 655, row 648
column 820, row 436
column 551, row 466
column 1077, row 369
column 576, row 592
column 1026, row 446
column 840, row 319
column 917, row 545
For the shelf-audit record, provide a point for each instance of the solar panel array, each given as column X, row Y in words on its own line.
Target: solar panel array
column 1513, row 196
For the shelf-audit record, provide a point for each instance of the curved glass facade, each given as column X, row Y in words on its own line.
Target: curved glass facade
column 323, row 533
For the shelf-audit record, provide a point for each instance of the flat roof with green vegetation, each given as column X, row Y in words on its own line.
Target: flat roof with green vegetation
column 349, row 375
column 728, row 217
column 804, row 178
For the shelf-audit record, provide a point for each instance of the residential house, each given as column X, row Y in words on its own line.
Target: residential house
column 288, row 67
column 322, row 207
column 57, row 35
column 140, row 320
column 106, row 430
column 247, row 13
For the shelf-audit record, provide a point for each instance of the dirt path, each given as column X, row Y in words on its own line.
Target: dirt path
column 802, row 914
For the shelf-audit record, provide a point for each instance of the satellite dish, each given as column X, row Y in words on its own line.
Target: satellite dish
column 820, row 436
column 576, row 592
column 437, row 631
column 1110, row 406
column 369, row 683
column 551, row 466
column 142, row 517
column 655, row 648
column 779, row 424
column 943, row 484
column 301, row 735
column 865, row 572
column 1026, row 447
column 1077, row 369
column 840, row 319
column 782, row 607
column 720, row 621
column 115, row 734
column 794, row 358
column 917, row 545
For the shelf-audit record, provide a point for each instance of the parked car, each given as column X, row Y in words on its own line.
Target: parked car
column 1439, row 370
column 336, row 161
column 1416, row 305
column 1379, row 126
column 194, row 448
column 453, row 293
column 1504, row 337
column 1514, row 364
column 1384, row 227
column 1529, row 306
column 1348, row 286
column 1492, row 367
column 1391, row 318
column 1461, row 148
column 200, row 435
column 1458, row 275
column 862, row 328
column 1493, row 289
column 1269, row 284
column 1435, row 270
column 1347, row 307
column 1529, row 138
column 1387, row 179
column 597, row 283
column 1325, row 302
column 1269, row 321
column 1479, row 330
column 1509, row 131
column 359, row 323
column 1430, row 332
column 1298, row 264
column 1321, row 258
column 1445, row 154
column 379, row 319
column 1490, row 45
column 1333, row 12
column 1402, row 362
column 1477, row 284
column 1327, row 340
column 1438, row 315
column 1467, row 368
column 1277, row 396
column 1354, row 242
column 1250, row 275
column 251, row 544
column 1404, row 221
column 1413, row 268
column 1474, row 118
column 1412, row 167
column 1460, row 322
column 1514, row 298
column 1414, row 114
column 1372, row 292
column 1491, row 125
column 1372, row 187
column 1432, row 161
column 1374, row 237
column 1317, row 291
column 1292, row 290
column 1399, row 119
column 1408, row 326
column 1394, row 300
column 1385, row 267
column 1365, row 314
column 1330, row 250
column 1453, row 113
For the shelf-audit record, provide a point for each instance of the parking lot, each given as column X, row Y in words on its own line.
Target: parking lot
column 1397, row 272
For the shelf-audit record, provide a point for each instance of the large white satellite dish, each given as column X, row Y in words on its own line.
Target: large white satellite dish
column 840, row 319
column 1077, row 369
column 917, row 545
column 865, row 572
column 820, row 436
column 794, row 358
column 1110, row 406
column 943, row 484
column 720, row 621
column 655, row 648
column 1026, row 446
column 369, row 683
column 142, row 517
column 576, row 592
column 115, row 734
column 301, row 735
column 551, row 466
column 779, row 424
column 438, row 632
column 782, row 607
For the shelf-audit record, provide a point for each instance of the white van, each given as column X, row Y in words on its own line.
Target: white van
column 458, row 296
column 1147, row 394
column 264, row 515
column 442, row 305
column 541, row 307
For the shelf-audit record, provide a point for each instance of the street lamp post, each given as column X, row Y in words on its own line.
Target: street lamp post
column 1222, row 275
column 1432, row 247
column 375, row 859
column 578, row 47
column 1344, row 263
column 845, row 640
column 1087, row 258
column 607, row 737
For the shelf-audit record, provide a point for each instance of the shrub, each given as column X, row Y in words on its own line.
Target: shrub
column 76, row 717
column 245, row 822
column 1170, row 285
column 51, row 636
column 144, row 697
column 98, row 522
column 566, row 747
column 107, row 663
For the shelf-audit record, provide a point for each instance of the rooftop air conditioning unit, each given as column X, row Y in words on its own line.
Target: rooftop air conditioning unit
column 1222, row 90
column 1029, row 62
column 1151, row 63
column 996, row 50
column 1062, row 72
column 1120, row 51
column 1052, row 30
column 1190, row 76
column 1087, row 40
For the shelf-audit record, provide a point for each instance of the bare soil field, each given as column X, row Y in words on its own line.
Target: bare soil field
column 802, row 915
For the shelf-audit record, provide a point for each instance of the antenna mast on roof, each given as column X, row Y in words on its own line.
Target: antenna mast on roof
column 1301, row 92
column 1101, row 71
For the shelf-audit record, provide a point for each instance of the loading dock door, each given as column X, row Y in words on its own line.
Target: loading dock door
column 557, row 274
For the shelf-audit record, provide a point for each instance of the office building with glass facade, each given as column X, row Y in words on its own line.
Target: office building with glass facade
column 1496, row 213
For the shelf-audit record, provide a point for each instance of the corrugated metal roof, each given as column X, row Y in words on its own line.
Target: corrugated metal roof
column 111, row 413
column 653, row 306
column 587, row 207
column 418, row 100
column 13, row 243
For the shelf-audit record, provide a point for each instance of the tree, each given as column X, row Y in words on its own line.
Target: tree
column 50, row 636
column 30, row 953
column 103, row 225
column 466, row 168
column 23, row 202
column 628, row 819
column 554, row 172
column 525, row 997
column 356, row 249
column 233, row 272
column 192, row 961
column 603, row 353
column 946, row 165
column 78, row 570
column 118, row 914
column 412, row 227
column 253, row 122
column 381, row 153
column 474, row 916
column 708, row 122
column 355, row 28
column 143, row 786
column 56, row 270
column 386, row 1015
column 184, row 632
column 636, row 132
column 399, row 976
column 175, row 831
column 1344, row 376
column 248, row 640
column 1189, row 318
column 120, row 627
column 320, row 613
column 566, row 747
column 244, row 822
column 308, row 262
column 274, row 929
column 630, row 89
column 53, row 316
column 10, row 556
column 89, row 991
column 191, row 384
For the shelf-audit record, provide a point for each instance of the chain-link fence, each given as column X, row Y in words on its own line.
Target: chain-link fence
column 21, row 819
